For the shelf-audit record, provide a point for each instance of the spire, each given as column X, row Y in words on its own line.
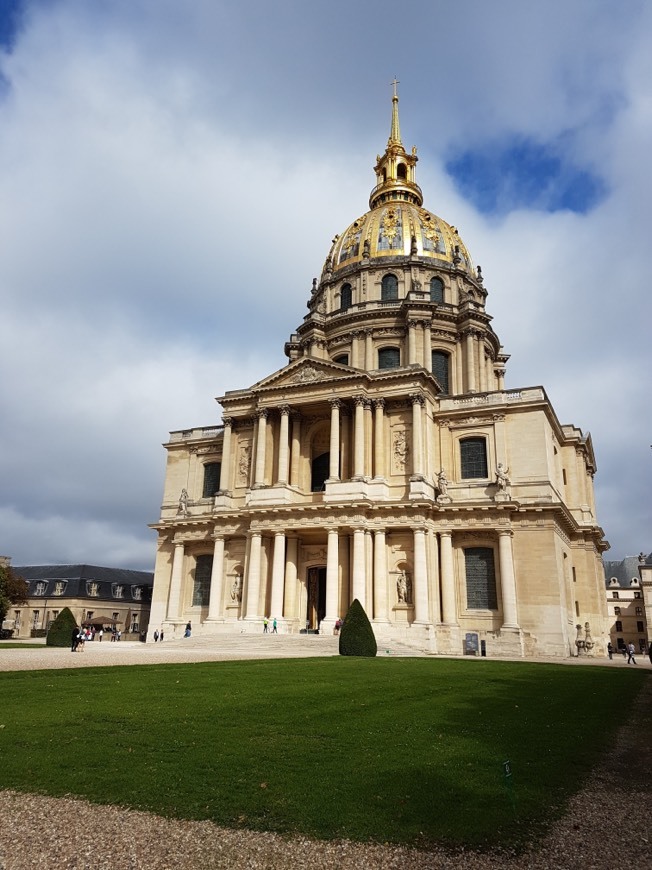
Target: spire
column 395, row 132
column 395, row 175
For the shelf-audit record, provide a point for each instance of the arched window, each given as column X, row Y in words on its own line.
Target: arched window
column 202, row 581
column 342, row 359
column 345, row 297
column 436, row 290
column 480, row 578
column 389, row 358
column 319, row 472
column 441, row 369
column 389, row 288
column 211, row 479
column 401, row 171
column 473, row 458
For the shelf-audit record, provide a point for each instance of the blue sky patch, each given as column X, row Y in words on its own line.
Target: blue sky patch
column 520, row 174
column 10, row 14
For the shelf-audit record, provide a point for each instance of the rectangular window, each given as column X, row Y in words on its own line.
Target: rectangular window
column 616, row 611
column 473, row 458
column 563, row 474
column 619, row 626
column 615, row 595
column 202, row 581
column 115, row 615
column 637, row 595
column 480, row 579
column 639, row 611
column 639, row 626
column 574, row 575
column 41, row 587
column 577, row 608
column 212, row 472
column 35, row 617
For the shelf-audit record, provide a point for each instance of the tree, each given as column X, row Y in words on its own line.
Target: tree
column 356, row 635
column 13, row 590
column 60, row 632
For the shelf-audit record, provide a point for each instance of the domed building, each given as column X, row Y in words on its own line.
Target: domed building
column 387, row 462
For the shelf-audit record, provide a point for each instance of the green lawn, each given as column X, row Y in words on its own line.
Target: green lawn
column 391, row 750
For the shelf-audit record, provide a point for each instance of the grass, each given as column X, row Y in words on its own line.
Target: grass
column 404, row 750
column 8, row 644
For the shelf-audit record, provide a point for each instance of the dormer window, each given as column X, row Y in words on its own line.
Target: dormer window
column 41, row 587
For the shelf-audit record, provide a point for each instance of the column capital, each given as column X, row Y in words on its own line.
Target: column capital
column 284, row 410
column 359, row 400
column 417, row 399
column 262, row 413
column 335, row 403
column 505, row 533
column 219, row 536
column 412, row 323
column 228, row 422
column 378, row 403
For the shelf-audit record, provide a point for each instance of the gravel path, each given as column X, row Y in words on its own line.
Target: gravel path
column 607, row 824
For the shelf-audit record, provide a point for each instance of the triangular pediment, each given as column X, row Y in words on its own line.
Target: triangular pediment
column 305, row 371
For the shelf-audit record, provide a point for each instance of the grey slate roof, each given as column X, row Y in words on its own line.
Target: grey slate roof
column 78, row 577
column 625, row 570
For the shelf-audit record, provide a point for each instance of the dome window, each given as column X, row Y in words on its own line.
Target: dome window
column 345, row 297
column 436, row 290
column 389, row 358
column 441, row 369
column 389, row 288
column 401, row 171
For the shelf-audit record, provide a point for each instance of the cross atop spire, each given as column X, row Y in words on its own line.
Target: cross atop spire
column 395, row 132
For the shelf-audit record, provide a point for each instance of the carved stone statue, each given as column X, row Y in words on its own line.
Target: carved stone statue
column 366, row 248
column 236, row 589
column 442, row 483
column 402, row 588
column 502, row 479
column 182, row 510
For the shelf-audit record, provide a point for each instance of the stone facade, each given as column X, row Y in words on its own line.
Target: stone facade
column 629, row 602
column 387, row 462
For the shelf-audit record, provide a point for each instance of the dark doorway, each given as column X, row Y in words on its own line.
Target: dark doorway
column 316, row 610
column 320, row 472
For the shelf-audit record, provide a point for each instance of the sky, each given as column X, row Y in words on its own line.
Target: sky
column 172, row 173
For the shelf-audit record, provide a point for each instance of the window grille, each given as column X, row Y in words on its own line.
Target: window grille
column 211, row 479
column 473, row 458
column 436, row 290
column 480, row 579
column 441, row 368
column 202, row 581
column 346, row 295
column 389, row 288
column 389, row 358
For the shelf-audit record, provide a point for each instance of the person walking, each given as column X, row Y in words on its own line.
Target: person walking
column 610, row 650
column 265, row 625
column 188, row 629
column 160, row 637
column 74, row 642
column 274, row 626
column 156, row 635
column 630, row 653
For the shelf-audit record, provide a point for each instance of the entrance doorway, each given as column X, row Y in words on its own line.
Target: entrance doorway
column 316, row 597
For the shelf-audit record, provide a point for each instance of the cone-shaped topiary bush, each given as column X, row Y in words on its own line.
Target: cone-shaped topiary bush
column 60, row 631
column 356, row 635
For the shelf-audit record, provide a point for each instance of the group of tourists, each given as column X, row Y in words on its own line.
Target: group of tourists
column 158, row 635
column 266, row 624
column 88, row 633
column 628, row 651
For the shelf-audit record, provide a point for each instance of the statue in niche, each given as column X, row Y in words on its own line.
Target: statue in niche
column 182, row 510
column 366, row 249
column 502, row 479
column 402, row 588
column 442, row 483
column 236, row 589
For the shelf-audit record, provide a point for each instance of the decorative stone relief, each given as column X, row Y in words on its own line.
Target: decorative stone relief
column 307, row 375
column 244, row 463
column 400, row 451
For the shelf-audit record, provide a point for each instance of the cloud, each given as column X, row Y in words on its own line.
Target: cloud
column 171, row 176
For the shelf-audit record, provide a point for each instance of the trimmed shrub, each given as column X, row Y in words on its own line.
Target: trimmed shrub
column 356, row 635
column 60, row 632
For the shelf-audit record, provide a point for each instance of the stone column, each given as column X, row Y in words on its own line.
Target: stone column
column 500, row 374
column 368, row 436
column 427, row 346
column 332, row 575
column 417, row 450
column 433, row 574
column 291, row 568
column 278, row 571
column 359, row 577
column 217, row 579
column 379, row 438
column 507, row 579
column 253, row 578
column 225, row 469
column 421, row 614
column 358, row 438
column 295, row 452
column 345, row 450
column 482, row 366
column 368, row 350
column 261, row 444
column 334, row 469
column 283, row 445
column 412, row 342
column 449, row 614
column 174, row 598
column 380, row 577
column 470, row 361
column 355, row 352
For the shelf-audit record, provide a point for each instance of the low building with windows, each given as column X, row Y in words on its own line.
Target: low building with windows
column 95, row 595
column 387, row 461
column 628, row 581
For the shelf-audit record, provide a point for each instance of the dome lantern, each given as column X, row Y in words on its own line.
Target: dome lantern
column 395, row 170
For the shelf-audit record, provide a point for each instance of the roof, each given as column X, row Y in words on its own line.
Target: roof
column 108, row 583
column 624, row 571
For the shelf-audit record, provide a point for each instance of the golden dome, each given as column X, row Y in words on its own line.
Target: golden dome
column 397, row 224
